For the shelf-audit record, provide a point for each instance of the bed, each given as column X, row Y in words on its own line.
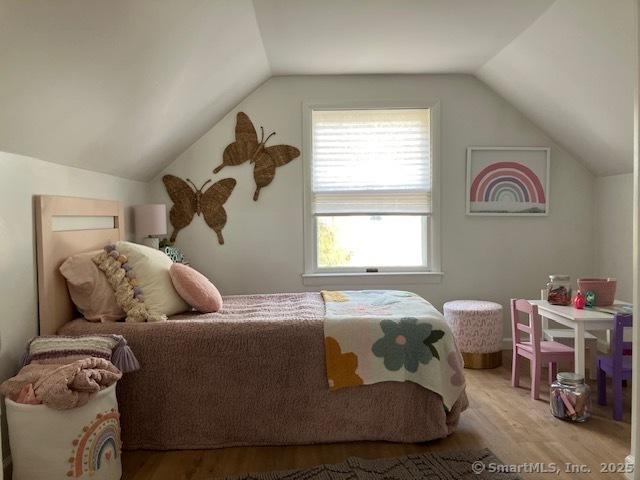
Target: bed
column 251, row 374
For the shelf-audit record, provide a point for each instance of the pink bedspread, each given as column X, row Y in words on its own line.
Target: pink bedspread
column 254, row 374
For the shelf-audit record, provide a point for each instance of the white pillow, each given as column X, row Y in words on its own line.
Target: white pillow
column 151, row 270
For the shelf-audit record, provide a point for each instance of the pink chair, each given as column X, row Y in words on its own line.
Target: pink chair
column 536, row 350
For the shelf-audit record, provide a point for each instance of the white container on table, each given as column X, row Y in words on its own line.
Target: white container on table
column 79, row 443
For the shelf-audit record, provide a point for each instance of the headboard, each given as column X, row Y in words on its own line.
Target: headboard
column 55, row 243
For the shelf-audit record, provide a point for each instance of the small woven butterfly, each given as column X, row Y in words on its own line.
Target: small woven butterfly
column 189, row 200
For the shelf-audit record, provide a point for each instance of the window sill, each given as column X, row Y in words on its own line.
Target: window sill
column 365, row 279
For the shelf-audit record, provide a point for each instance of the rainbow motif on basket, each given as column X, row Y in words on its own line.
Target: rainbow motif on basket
column 508, row 182
column 99, row 443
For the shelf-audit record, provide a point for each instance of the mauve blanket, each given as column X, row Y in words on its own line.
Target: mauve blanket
column 254, row 374
column 64, row 386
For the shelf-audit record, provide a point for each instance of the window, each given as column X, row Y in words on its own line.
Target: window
column 370, row 202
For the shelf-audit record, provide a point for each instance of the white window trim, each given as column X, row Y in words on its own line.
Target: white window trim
column 433, row 272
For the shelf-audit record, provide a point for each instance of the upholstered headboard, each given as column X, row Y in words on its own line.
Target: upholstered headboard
column 65, row 226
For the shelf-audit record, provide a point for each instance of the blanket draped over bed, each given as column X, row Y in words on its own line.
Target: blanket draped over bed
column 254, row 374
column 375, row 336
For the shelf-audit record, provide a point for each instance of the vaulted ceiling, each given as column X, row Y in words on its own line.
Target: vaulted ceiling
column 123, row 87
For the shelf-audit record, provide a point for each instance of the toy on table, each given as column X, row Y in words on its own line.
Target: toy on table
column 590, row 298
column 579, row 300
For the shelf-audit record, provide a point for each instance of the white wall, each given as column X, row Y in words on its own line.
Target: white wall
column 20, row 179
column 613, row 210
column 485, row 257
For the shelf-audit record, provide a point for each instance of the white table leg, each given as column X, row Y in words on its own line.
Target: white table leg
column 545, row 320
column 579, row 349
column 593, row 359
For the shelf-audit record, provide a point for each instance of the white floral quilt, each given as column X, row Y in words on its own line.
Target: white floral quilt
column 376, row 336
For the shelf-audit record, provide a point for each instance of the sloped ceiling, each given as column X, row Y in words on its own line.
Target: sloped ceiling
column 572, row 73
column 123, row 87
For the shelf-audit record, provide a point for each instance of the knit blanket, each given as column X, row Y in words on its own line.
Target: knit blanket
column 63, row 386
column 62, row 350
column 374, row 336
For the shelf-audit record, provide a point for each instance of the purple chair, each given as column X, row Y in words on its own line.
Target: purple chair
column 617, row 365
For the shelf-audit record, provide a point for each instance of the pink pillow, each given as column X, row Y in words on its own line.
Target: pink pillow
column 195, row 288
column 90, row 290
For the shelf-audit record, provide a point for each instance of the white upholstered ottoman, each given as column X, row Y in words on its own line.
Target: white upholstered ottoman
column 477, row 328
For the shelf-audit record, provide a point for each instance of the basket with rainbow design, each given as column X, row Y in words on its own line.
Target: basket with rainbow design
column 79, row 443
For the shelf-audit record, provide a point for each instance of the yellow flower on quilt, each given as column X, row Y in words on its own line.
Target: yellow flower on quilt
column 341, row 367
column 335, row 296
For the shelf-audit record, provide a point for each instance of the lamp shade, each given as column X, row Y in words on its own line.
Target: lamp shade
column 150, row 219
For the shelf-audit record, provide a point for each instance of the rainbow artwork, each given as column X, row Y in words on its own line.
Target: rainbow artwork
column 97, row 445
column 507, row 187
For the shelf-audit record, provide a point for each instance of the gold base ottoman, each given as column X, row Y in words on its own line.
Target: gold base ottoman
column 477, row 328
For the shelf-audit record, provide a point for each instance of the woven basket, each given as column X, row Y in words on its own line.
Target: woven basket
column 604, row 288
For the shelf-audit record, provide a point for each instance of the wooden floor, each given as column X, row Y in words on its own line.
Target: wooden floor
column 503, row 419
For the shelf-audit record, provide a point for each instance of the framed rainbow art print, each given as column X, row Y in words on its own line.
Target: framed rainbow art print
column 510, row 181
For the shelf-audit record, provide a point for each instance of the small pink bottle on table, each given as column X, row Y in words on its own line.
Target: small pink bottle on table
column 579, row 301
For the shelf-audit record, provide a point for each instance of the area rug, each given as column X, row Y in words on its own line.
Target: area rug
column 461, row 465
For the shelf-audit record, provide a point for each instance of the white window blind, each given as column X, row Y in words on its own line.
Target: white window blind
column 371, row 161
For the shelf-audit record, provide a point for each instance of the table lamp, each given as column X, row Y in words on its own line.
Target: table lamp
column 150, row 222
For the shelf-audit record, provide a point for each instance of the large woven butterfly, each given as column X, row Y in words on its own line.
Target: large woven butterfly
column 189, row 200
column 265, row 159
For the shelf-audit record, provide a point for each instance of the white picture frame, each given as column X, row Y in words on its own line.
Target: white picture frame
column 508, row 181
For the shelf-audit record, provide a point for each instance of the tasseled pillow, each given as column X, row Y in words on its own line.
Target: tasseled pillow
column 63, row 349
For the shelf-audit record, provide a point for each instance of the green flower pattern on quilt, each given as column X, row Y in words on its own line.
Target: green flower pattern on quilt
column 407, row 344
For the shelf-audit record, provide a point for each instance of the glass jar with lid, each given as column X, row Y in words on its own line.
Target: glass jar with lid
column 559, row 290
column 570, row 397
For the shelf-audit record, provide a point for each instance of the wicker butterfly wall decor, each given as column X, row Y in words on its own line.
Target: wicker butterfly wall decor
column 247, row 147
column 188, row 200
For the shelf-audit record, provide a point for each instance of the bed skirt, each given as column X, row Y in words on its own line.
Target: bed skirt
column 255, row 375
